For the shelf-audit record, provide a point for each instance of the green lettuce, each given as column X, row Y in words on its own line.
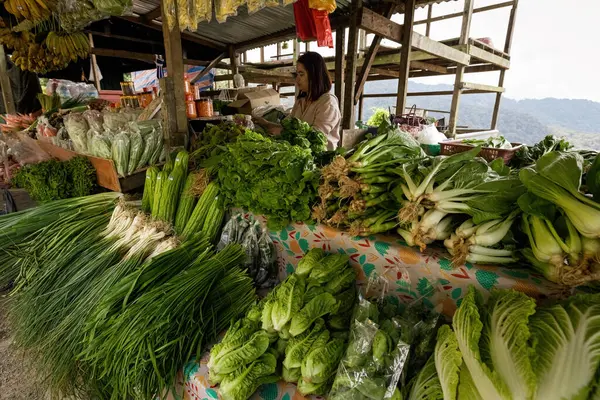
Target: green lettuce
column 342, row 281
column 321, row 305
column 253, row 348
column 504, row 340
column 322, row 361
column 448, row 360
column 566, row 348
column 288, row 301
column 241, row 384
column 299, row 346
column 309, row 261
column 468, row 328
column 426, row 385
column 329, row 268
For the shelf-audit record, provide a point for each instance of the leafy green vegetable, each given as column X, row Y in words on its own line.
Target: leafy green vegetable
column 468, row 327
column 528, row 155
column 253, row 348
column 566, row 348
column 495, row 142
column 299, row 346
column 342, row 281
column 54, row 180
column 308, row 262
column 322, row 361
column 291, row 375
column 426, row 385
column 448, row 360
column 321, row 305
column 288, row 301
column 306, row 388
column 382, row 346
column 267, row 177
column 329, row 268
column 557, row 178
column 241, row 384
column 593, row 179
column 379, row 116
column 297, row 132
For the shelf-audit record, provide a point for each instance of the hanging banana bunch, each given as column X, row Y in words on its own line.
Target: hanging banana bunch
column 69, row 46
column 32, row 10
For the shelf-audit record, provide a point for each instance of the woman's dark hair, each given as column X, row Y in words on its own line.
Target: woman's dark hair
column 319, row 81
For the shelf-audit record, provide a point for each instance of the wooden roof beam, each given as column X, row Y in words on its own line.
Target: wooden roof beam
column 482, row 88
column 152, row 15
column 459, row 14
column 388, row 29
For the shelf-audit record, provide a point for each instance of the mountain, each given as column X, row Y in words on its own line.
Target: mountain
column 525, row 121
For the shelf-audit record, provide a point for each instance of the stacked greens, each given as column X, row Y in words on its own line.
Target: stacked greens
column 54, row 180
column 211, row 140
column 270, row 178
column 301, row 134
column 562, row 224
column 508, row 349
column 297, row 332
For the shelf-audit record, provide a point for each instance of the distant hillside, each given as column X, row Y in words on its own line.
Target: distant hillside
column 524, row 121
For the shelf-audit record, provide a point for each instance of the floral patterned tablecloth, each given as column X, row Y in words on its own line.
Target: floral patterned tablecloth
column 402, row 272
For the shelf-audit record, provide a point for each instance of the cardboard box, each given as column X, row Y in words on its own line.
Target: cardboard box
column 249, row 100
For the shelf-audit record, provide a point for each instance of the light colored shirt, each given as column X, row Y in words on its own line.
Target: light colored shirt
column 323, row 114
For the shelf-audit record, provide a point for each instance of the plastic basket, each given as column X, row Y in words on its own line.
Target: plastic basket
column 488, row 153
column 431, row 149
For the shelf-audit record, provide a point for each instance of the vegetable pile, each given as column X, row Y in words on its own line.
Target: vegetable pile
column 55, row 180
column 79, row 310
column 267, row 177
column 299, row 332
column 494, row 142
column 509, row 349
column 301, row 134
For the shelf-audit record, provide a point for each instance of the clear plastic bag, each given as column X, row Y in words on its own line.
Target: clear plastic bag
column 77, row 128
column 158, row 149
column 120, row 153
column 201, row 11
column 94, row 119
column 115, row 8
column 77, row 14
column 136, row 149
column 114, row 121
column 150, row 143
column 102, row 146
column 226, row 8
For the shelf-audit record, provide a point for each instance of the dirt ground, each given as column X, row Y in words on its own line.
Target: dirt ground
column 17, row 379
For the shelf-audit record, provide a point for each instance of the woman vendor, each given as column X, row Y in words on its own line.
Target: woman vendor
column 314, row 104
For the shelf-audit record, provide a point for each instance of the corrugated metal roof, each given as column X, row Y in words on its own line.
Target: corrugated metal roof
column 245, row 27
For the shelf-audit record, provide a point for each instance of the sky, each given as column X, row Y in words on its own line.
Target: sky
column 555, row 50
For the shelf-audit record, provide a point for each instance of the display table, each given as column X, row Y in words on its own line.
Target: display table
column 401, row 271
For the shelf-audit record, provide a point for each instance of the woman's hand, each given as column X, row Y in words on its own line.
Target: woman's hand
column 272, row 128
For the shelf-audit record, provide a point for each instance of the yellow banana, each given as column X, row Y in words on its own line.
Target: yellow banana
column 42, row 4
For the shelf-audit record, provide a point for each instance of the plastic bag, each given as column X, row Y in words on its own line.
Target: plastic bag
column 430, row 135
column 226, row 8
column 120, row 153
column 158, row 148
column 229, row 234
column 250, row 245
column 201, row 11
column 24, row 149
column 150, row 143
column 114, row 121
column 77, row 128
column 266, row 277
column 136, row 148
column 376, row 356
column 115, row 8
column 94, row 119
column 102, row 146
column 77, row 14
column 323, row 5
column 322, row 28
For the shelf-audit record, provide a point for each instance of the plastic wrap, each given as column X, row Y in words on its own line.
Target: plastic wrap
column 374, row 359
column 24, row 149
column 77, row 14
column 202, row 11
column 94, row 119
column 136, row 149
column 77, row 128
column 102, row 146
column 120, row 153
column 323, row 5
column 226, row 8
column 114, row 121
column 150, row 143
column 158, row 149
column 114, row 8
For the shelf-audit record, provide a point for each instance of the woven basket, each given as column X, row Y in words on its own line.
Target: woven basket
column 488, row 153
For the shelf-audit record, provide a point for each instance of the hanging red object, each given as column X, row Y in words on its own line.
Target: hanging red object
column 312, row 24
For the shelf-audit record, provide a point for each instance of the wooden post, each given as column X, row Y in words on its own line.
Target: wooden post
column 5, row 86
column 278, row 50
column 262, row 54
column 175, row 71
column 370, row 57
column 507, row 46
column 307, row 46
column 296, row 51
column 460, row 69
column 429, row 14
column 360, row 108
column 362, row 41
column 349, row 115
column 233, row 60
column 407, row 32
column 168, row 111
column 94, row 63
column 340, row 66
